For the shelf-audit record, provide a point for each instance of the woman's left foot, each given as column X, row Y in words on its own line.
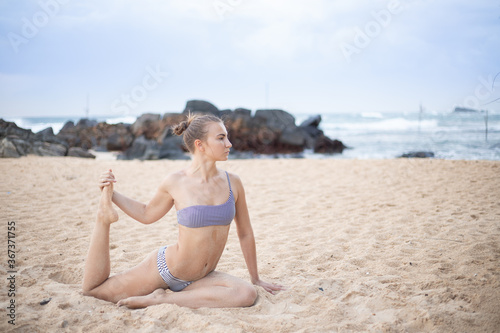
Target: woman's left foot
column 106, row 213
column 139, row 302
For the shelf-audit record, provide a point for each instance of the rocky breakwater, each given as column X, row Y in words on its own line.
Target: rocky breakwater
column 17, row 142
column 270, row 132
column 275, row 132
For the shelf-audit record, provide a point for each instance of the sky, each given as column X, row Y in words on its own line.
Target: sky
column 130, row 57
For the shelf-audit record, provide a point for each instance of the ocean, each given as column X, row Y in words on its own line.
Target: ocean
column 373, row 135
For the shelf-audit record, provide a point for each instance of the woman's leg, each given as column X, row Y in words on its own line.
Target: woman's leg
column 216, row 290
column 140, row 280
column 97, row 264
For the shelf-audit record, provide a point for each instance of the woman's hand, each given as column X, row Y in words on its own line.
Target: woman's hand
column 107, row 179
column 269, row 287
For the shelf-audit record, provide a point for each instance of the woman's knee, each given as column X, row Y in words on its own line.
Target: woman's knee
column 87, row 290
column 246, row 294
column 96, row 293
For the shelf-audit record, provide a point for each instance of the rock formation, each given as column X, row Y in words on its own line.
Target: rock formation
column 269, row 131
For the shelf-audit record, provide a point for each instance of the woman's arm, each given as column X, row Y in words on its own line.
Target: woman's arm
column 247, row 239
column 161, row 203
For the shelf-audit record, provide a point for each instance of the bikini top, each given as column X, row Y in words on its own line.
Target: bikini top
column 198, row 216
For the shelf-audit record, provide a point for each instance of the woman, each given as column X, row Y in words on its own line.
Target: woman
column 206, row 199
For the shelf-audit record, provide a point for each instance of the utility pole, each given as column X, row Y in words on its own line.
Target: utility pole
column 267, row 94
column 486, row 126
column 87, row 108
column 420, row 116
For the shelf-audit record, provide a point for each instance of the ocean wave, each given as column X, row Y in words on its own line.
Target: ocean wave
column 377, row 115
column 386, row 125
column 37, row 125
column 124, row 119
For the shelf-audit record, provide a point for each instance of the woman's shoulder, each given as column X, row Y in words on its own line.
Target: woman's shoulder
column 173, row 179
column 234, row 179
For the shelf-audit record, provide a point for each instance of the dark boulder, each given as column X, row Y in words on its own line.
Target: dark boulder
column 80, row 152
column 47, row 135
column 78, row 135
column 312, row 121
column 83, row 134
column 86, row 134
column 279, row 132
column 293, row 136
column 325, row 145
column 311, row 130
column 69, row 134
column 48, row 149
column 8, row 149
column 10, row 129
column 200, row 106
column 118, row 142
column 114, row 137
column 274, row 132
column 311, row 134
column 171, row 148
column 418, row 154
column 224, row 113
column 275, row 119
column 142, row 149
column 18, row 142
column 148, row 125
column 101, row 136
column 23, row 147
column 86, row 123
column 68, row 126
column 242, row 112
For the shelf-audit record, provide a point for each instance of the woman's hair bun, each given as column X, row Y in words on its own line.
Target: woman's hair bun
column 183, row 125
column 180, row 128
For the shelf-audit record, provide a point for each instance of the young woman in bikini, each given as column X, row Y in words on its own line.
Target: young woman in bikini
column 206, row 199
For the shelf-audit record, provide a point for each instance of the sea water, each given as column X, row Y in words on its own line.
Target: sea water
column 372, row 135
column 388, row 135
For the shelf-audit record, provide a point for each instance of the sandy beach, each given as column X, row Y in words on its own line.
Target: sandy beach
column 399, row 245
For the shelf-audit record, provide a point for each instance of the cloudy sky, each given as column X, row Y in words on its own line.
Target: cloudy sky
column 314, row 56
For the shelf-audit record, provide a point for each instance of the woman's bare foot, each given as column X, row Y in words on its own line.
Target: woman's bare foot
column 139, row 302
column 106, row 213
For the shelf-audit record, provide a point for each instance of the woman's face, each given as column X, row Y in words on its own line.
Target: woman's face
column 217, row 143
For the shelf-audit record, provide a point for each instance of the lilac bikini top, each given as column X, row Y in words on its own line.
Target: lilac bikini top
column 208, row 215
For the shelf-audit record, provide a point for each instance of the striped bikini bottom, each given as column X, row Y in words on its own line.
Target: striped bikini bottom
column 174, row 283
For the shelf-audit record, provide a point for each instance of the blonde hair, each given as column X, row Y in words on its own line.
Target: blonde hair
column 194, row 128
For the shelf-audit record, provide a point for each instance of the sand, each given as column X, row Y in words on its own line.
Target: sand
column 363, row 245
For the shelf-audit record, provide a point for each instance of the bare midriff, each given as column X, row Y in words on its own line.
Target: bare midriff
column 197, row 251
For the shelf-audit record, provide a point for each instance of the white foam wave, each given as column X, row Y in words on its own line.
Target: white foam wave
column 372, row 115
column 123, row 119
column 37, row 126
column 56, row 127
column 395, row 124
